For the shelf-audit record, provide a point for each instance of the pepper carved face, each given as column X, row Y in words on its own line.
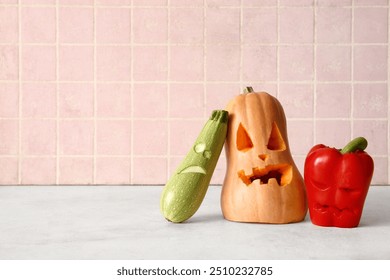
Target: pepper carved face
column 262, row 183
column 335, row 197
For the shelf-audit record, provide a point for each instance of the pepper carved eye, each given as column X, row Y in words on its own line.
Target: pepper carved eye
column 244, row 142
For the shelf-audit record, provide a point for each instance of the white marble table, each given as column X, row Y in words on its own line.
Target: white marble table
column 124, row 222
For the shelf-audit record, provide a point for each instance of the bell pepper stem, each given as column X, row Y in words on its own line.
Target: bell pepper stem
column 359, row 143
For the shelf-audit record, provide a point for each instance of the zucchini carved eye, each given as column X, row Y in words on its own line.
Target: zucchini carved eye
column 243, row 142
column 200, row 148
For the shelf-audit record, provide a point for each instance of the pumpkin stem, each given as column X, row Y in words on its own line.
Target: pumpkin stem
column 359, row 143
column 248, row 89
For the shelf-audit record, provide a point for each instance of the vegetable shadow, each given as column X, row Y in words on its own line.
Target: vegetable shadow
column 376, row 211
column 206, row 218
column 378, row 218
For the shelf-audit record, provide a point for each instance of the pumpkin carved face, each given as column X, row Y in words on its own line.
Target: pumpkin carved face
column 262, row 183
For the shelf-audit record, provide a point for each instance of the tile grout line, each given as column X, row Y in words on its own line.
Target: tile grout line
column 94, row 167
column 57, row 99
column 314, row 72
column 388, row 93
column 304, row 82
column 131, row 175
column 250, row 44
column 352, row 68
column 178, row 118
column 168, row 84
column 204, row 60
column 86, row 6
column 241, row 47
column 20, row 156
column 277, row 49
column 91, row 156
column 222, row 43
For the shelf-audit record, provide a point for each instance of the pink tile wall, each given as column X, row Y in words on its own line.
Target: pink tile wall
column 116, row 91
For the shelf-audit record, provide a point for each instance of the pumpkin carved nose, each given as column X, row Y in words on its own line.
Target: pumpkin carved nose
column 263, row 157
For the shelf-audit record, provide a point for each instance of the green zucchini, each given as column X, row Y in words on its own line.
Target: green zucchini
column 185, row 190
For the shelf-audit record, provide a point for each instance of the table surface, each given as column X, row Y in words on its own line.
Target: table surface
column 124, row 222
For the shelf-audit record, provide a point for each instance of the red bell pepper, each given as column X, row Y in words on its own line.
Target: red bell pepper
column 337, row 182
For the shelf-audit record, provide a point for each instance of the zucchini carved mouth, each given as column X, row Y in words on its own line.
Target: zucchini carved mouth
column 193, row 169
column 282, row 173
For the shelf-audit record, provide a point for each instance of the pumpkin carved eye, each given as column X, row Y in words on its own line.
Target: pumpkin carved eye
column 244, row 142
column 275, row 141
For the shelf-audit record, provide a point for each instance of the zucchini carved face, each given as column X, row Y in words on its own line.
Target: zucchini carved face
column 199, row 155
column 186, row 188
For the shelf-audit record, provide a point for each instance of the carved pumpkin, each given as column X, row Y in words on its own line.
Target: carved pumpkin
column 262, row 183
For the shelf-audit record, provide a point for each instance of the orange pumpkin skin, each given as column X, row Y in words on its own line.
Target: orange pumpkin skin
column 262, row 183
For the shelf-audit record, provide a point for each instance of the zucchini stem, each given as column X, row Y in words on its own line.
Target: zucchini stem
column 221, row 116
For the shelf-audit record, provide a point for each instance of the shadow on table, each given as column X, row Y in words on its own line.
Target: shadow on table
column 379, row 218
column 376, row 211
column 206, row 218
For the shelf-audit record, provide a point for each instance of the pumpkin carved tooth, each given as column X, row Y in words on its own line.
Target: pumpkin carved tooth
column 282, row 173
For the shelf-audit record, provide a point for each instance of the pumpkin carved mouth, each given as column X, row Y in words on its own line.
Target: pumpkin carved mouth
column 282, row 173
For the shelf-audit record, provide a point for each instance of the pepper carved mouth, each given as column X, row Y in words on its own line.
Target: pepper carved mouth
column 336, row 211
column 282, row 173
